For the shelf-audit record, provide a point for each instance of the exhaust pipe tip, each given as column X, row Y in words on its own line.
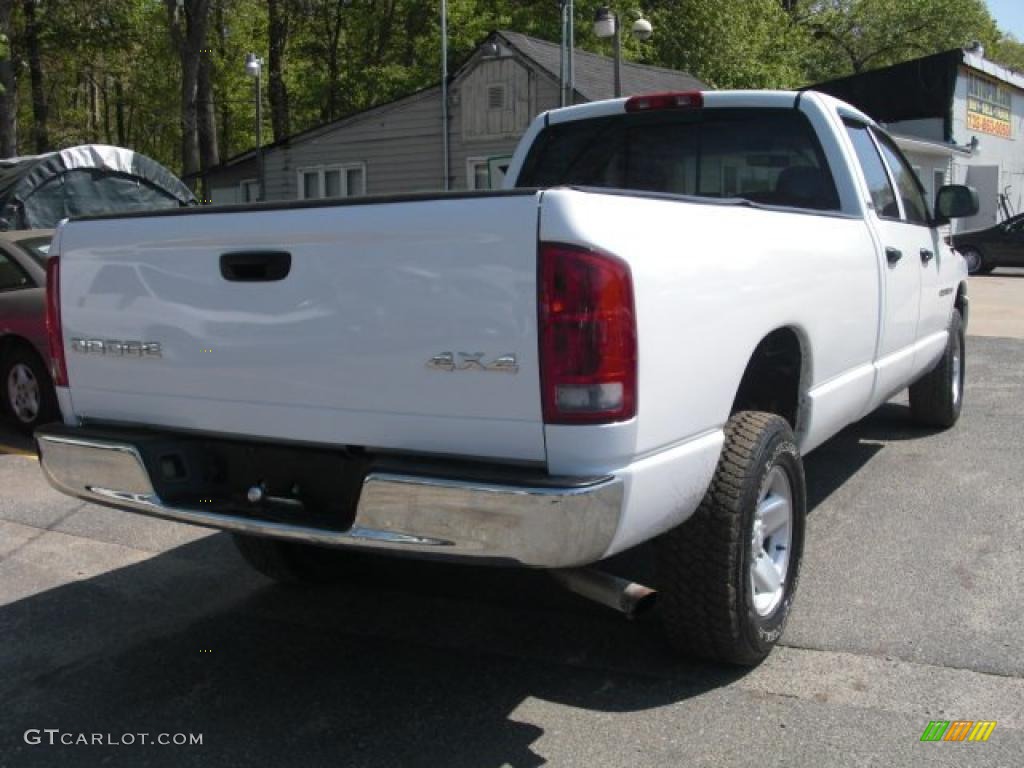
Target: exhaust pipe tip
column 626, row 597
column 637, row 600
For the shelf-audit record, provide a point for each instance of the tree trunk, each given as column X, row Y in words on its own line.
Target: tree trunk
column 40, row 110
column 8, row 88
column 280, row 119
column 224, row 125
column 187, row 25
column 122, row 133
column 94, row 108
column 333, row 63
column 208, row 153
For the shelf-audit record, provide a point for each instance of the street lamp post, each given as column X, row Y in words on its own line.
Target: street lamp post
column 254, row 68
column 607, row 24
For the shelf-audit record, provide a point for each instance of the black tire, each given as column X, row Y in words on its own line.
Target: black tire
column 21, row 362
column 937, row 398
column 706, row 598
column 976, row 264
column 291, row 562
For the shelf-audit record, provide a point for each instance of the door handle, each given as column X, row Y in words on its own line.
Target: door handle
column 926, row 255
column 893, row 254
column 255, row 266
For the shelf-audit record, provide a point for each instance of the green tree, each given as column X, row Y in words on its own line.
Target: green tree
column 749, row 44
column 853, row 36
column 1008, row 51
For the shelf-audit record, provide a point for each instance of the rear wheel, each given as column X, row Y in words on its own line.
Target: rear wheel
column 28, row 395
column 975, row 261
column 291, row 562
column 937, row 398
column 728, row 575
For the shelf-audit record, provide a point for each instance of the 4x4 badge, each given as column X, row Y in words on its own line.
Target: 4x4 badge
column 472, row 361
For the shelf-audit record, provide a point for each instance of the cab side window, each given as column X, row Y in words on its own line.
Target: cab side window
column 915, row 208
column 882, row 194
column 12, row 276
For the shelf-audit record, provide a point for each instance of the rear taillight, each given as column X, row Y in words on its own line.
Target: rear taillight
column 657, row 101
column 587, row 336
column 54, row 333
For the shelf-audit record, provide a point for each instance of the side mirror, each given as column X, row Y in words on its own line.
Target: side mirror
column 955, row 201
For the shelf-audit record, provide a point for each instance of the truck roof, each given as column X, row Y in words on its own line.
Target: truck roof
column 712, row 99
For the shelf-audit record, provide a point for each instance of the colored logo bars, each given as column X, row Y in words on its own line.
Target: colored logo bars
column 958, row 730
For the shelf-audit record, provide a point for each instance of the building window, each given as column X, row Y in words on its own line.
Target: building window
column 331, row 181
column 496, row 97
column 249, row 191
column 478, row 173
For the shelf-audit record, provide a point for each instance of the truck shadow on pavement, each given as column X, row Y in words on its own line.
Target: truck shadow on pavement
column 405, row 664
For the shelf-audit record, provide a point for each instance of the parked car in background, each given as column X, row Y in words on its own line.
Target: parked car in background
column 28, row 397
column 998, row 246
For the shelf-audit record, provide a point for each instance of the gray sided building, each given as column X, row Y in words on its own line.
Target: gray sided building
column 397, row 147
column 958, row 117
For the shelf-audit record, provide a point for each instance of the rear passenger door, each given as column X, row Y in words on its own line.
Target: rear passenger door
column 927, row 255
column 899, row 239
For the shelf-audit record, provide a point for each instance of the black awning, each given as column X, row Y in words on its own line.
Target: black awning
column 914, row 90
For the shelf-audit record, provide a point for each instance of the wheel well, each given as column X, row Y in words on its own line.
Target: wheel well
column 961, row 303
column 773, row 379
column 10, row 343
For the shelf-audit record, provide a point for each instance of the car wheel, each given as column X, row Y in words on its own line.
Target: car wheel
column 28, row 395
column 291, row 562
column 728, row 575
column 975, row 262
column 937, row 398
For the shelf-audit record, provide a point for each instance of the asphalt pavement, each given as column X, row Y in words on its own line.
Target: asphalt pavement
column 910, row 609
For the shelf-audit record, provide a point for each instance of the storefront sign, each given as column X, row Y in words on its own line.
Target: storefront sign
column 988, row 106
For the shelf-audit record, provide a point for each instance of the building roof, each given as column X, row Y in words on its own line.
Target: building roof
column 595, row 74
column 928, row 147
column 914, row 89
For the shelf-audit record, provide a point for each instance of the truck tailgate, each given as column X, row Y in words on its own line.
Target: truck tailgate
column 335, row 352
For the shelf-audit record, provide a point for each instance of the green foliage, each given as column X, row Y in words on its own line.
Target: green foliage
column 112, row 74
column 751, row 44
column 1008, row 51
column 850, row 36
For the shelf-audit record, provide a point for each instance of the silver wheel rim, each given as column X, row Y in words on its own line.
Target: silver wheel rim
column 23, row 393
column 770, row 542
column 957, row 364
column 973, row 261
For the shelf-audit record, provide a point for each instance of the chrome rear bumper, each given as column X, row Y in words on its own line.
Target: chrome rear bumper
column 439, row 517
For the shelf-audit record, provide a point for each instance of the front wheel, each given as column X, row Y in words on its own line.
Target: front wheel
column 28, row 395
column 728, row 575
column 937, row 398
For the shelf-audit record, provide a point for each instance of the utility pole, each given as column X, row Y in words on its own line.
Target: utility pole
column 568, row 54
column 444, row 95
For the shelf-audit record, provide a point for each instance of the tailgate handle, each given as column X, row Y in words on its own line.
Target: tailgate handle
column 255, row 266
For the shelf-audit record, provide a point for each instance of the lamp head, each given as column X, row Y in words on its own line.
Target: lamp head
column 253, row 65
column 604, row 22
column 642, row 29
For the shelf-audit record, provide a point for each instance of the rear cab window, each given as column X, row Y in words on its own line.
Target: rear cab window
column 883, row 196
column 766, row 156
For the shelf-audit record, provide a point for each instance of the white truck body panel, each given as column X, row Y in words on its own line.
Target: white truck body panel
column 336, row 354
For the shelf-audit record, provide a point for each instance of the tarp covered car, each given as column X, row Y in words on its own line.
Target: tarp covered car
column 37, row 192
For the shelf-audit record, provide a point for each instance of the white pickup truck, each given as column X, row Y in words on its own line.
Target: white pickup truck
column 678, row 296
